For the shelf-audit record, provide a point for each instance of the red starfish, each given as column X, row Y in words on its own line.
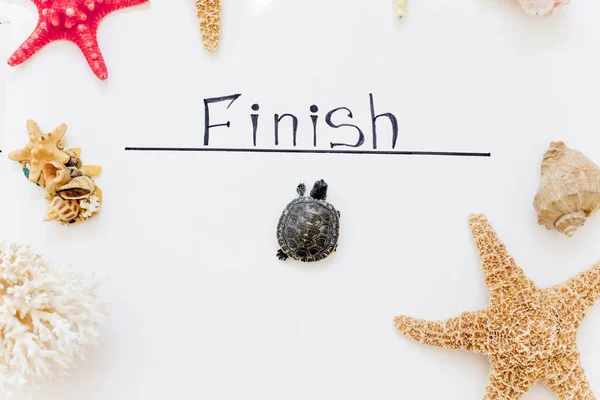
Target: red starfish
column 74, row 20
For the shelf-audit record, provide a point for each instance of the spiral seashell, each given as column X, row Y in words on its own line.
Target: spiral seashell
column 55, row 175
column 569, row 191
column 62, row 210
column 79, row 188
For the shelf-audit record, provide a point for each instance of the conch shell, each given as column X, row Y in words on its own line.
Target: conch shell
column 541, row 7
column 79, row 188
column 570, row 189
column 62, row 210
column 55, row 175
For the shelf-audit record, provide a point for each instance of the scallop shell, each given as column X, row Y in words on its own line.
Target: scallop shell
column 79, row 188
column 570, row 189
column 91, row 170
column 541, row 7
column 62, row 210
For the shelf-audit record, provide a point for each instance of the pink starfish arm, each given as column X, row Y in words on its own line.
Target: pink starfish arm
column 502, row 275
column 453, row 333
column 38, row 38
column 73, row 20
column 578, row 294
column 114, row 5
column 85, row 39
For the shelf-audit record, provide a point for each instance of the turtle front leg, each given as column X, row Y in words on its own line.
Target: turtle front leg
column 301, row 189
column 281, row 255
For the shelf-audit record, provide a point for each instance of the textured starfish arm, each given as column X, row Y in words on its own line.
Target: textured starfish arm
column 33, row 128
column 115, row 5
column 124, row 3
column 20, row 155
column 38, row 39
column 87, row 42
column 579, row 293
column 209, row 13
column 567, row 380
column 502, row 276
column 466, row 331
column 508, row 383
column 59, row 132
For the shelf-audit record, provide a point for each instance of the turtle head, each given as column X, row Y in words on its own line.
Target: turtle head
column 319, row 190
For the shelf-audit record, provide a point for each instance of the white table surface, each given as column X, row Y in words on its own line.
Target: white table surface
column 201, row 307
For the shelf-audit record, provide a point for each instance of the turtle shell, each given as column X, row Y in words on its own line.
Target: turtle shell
column 308, row 229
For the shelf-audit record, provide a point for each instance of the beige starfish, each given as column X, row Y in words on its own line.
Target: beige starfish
column 41, row 149
column 209, row 13
column 528, row 333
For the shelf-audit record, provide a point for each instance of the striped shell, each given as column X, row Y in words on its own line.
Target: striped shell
column 62, row 210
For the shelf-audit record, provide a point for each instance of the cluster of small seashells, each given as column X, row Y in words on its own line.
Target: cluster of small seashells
column 49, row 316
column 71, row 191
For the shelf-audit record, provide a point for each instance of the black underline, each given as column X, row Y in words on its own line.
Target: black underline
column 299, row 151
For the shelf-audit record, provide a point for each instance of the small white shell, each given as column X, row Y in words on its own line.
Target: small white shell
column 400, row 6
column 570, row 189
column 541, row 7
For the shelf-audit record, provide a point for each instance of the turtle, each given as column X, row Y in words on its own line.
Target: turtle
column 309, row 227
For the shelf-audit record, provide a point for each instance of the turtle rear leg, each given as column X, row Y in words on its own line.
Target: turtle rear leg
column 301, row 189
column 281, row 255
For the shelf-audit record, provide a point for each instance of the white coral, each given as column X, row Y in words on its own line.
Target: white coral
column 48, row 316
column 91, row 207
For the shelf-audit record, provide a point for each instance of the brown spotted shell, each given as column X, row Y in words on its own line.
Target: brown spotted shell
column 62, row 210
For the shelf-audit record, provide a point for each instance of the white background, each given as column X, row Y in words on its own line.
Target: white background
column 202, row 309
